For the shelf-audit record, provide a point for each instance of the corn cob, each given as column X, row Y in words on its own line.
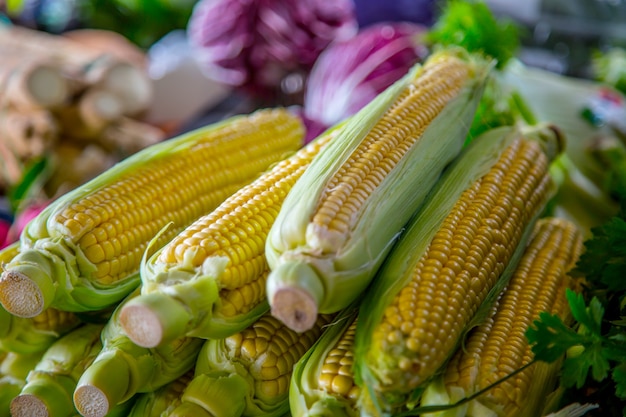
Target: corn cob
column 122, row 369
column 334, row 228
column 209, row 281
column 33, row 334
column 453, row 258
column 50, row 385
column 83, row 252
column 248, row 374
column 163, row 401
column 498, row 346
column 323, row 383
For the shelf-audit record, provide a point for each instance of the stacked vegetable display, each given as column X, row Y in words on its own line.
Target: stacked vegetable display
column 400, row 264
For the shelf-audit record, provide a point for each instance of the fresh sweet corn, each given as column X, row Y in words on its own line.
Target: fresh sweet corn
column 50, row 385
column 83, row 252
column 29, row 335
column 455, row 256
column 343, row 215
column 323, row 383
column 498, row 347
column 248, row 374
column 123, row 369
column 209, row 281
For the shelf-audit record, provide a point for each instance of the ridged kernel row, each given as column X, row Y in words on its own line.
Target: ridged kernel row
column 425, row 320
column 538, row 285
column 336, row 376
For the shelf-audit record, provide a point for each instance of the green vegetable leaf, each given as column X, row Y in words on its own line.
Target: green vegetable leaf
column 471, row 24
column 619, row 376
column 604, row 259
column 590, row 317
column 576, row 368
column 551, row 338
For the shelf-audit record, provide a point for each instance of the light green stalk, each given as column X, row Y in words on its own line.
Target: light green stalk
column 50, row 386
column 314, row 274
column 123, row 369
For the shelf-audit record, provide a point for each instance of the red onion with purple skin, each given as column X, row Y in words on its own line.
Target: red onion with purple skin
column 349, row 74
column 256, row 44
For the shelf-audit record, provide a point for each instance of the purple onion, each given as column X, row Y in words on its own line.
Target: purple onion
column 349, row 74
column 255, row 44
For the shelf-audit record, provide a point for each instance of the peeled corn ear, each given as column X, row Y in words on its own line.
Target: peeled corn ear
column 453, row 258
column 84, row 250
column 248, row 374
column 335, row 228
column 209, row 281
column 498, row 347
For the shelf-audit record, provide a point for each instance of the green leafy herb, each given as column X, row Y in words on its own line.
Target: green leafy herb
column 471, row 24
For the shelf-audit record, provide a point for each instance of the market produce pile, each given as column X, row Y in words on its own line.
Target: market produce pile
column 452, row 247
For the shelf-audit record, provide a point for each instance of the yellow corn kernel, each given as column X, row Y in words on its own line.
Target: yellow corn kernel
column 269, row 350
column 498, row 346
column 336, row 375
column 422, row 325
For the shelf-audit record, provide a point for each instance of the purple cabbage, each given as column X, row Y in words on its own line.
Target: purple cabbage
column 349, row 74
column 256, row 44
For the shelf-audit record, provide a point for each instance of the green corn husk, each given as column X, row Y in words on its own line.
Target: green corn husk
column 170, row 305
column 308, row 276
column 162, row 401
column 387, row 388
column 53, row 270
column 306, row 397
column 231, row 374
column 123, row 369
column 50, row 385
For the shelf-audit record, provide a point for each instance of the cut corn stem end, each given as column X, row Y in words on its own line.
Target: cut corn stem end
column 43, row 398
column 296, row 299
column 103, row 385
column 90, row 401
column 26, row 286
column 20, row 295
column 28, row 405
column 153, row 319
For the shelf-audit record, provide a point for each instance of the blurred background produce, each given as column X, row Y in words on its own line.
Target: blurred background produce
column 130, row 73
